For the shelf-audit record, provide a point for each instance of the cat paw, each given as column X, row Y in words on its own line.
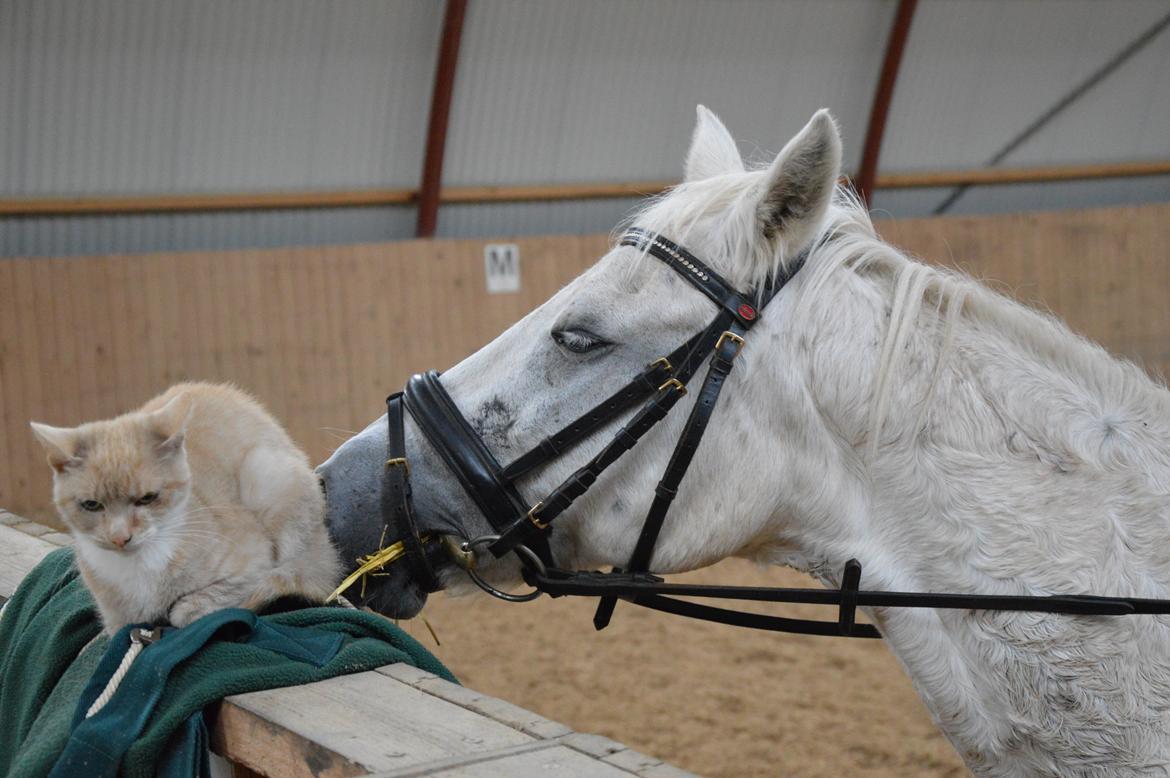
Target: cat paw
column 185, row 611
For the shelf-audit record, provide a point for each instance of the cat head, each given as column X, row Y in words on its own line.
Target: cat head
column 119, row 484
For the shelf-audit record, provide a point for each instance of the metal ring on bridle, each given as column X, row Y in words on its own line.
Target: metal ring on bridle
column 526, row 555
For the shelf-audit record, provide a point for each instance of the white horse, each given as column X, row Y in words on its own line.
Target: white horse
column 949, row 438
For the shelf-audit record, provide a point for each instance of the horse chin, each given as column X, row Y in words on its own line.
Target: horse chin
column 396, row 596
column 391, row 592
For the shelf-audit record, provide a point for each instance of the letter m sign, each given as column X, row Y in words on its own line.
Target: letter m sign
column 501, row 265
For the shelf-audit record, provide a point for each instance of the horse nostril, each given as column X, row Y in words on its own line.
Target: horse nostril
column 321, row 483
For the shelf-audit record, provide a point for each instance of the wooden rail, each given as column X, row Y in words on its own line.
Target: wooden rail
column 357, row 198
column 393, row 721
column 1022, row 175
column 234, row 201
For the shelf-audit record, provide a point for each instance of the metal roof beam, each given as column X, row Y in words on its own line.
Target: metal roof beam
column 883, row 96
column 432, row 172
column 1076, row 93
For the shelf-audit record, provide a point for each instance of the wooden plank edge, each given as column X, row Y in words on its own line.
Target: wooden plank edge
column 20, row 552
column 247, row 739
column 597, row 747
column 466, row 759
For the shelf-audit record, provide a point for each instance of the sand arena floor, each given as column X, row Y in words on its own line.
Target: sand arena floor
column 716, row 700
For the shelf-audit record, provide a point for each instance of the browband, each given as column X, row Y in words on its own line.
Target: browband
column 706, row 280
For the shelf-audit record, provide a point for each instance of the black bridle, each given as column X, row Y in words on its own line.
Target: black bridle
column 524, row 528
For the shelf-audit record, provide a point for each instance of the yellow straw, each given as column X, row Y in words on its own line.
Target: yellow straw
column 369, row 563
column 430, row 629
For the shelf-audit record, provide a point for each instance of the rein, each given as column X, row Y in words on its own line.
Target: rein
column 523, row 528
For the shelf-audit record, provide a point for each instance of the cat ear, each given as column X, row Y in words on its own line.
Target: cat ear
column 169, row 423
column 61, row 444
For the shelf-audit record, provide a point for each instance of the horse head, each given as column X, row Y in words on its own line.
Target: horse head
column 603, row 328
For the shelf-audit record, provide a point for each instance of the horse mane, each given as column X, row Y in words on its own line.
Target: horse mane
column 1110, row 393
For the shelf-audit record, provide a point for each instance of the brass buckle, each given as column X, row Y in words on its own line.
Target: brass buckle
column 675, row 383
column 459, row 550
column 664, row 362
column 729, row 335
column 532, row 516
column 398, row 462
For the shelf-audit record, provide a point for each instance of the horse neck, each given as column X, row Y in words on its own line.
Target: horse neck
column 1026, row 461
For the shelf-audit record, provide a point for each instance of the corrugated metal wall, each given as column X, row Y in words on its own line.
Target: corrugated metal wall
column 176, row 96
column 215, row 95
column 977, row 73
column 165, row 96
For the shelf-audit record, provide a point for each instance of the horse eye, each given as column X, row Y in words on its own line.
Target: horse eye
column 147, row 498
column 93, row 506
column 579, row 341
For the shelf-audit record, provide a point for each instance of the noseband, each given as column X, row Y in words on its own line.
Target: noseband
column 524, row 527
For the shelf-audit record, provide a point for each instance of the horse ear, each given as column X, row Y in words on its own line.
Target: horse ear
column 713, row 151
column 61, row 445
column 800, row 183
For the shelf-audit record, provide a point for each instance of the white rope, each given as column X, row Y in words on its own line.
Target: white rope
column 136, row 647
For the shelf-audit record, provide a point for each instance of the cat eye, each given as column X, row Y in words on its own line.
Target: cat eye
column 93, row 506
column 579, row 341
column 147, row 498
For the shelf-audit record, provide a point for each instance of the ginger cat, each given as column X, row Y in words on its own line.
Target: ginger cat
column 195, row 502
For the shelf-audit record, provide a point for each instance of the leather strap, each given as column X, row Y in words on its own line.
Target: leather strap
column 397, row 505
column 734, row 618
column 466, row 456
column 694, row 271
column 559, row 500
column 722, row 362
column 689, row 357
column 667, row 489
column 680, row 363
column 643, row 384
column 652, row 592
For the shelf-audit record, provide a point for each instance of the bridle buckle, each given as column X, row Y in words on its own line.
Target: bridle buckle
column 675, row 384
column 729, row 335
column 398, row 462
column 542, row 525
column 664, row 362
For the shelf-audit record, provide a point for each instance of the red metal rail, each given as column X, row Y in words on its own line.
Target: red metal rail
column 432, row 172
column 879, row 111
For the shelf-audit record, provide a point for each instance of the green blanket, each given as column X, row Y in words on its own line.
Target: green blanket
column 53, row 663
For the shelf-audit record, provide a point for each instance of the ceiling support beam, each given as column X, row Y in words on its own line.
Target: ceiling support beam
column 1076, row 93
column 883, row 96
column 431, row 181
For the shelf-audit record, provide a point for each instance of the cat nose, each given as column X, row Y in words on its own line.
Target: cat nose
column 120, row 540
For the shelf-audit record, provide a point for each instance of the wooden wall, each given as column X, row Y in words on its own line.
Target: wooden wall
column 321, row 335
